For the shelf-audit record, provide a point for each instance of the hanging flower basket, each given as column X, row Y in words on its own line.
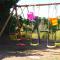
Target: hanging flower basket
column 30, row 16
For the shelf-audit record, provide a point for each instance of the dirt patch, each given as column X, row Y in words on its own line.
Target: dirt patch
column 48, row 54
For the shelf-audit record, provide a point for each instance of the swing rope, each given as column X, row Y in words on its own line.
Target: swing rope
column 52, row 31
column 22, row 11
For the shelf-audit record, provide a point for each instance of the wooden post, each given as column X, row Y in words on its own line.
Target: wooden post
column 6, row 23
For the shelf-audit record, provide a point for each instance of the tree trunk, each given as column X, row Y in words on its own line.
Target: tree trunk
column 38, row 36
column 3, row 17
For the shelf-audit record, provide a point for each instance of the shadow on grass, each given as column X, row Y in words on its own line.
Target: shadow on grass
column 17, row 51
column 10, row 51
column 16, row 54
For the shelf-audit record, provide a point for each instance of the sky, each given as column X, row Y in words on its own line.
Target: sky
column 41, row 11
column 36, row 1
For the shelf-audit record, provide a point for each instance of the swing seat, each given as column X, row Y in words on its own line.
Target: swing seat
column 19, row 39
column 22, row 44
column 51, row 46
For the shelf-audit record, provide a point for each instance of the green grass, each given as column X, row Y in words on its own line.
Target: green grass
column 57, row 36
column 43, row 35
column 57, row 44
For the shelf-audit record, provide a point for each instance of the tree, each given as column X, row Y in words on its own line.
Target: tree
column 5, row 6
column 36, row 22
column 12, row 24
column 58, row 23
column 36, row 27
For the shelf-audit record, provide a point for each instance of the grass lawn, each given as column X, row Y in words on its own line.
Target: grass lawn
column 43, row 35
column 57, row 44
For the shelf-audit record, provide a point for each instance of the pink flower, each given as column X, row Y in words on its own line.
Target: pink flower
column 30, row 16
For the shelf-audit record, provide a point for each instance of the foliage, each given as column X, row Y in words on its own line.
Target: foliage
column 58, row 21
column 5, row 6
column 36, row 23
column 13, row 24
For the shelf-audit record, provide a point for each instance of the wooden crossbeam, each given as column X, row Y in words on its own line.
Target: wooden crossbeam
column 46, row 4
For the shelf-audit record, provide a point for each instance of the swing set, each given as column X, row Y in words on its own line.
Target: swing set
column 31, row 16
column 52, row 20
